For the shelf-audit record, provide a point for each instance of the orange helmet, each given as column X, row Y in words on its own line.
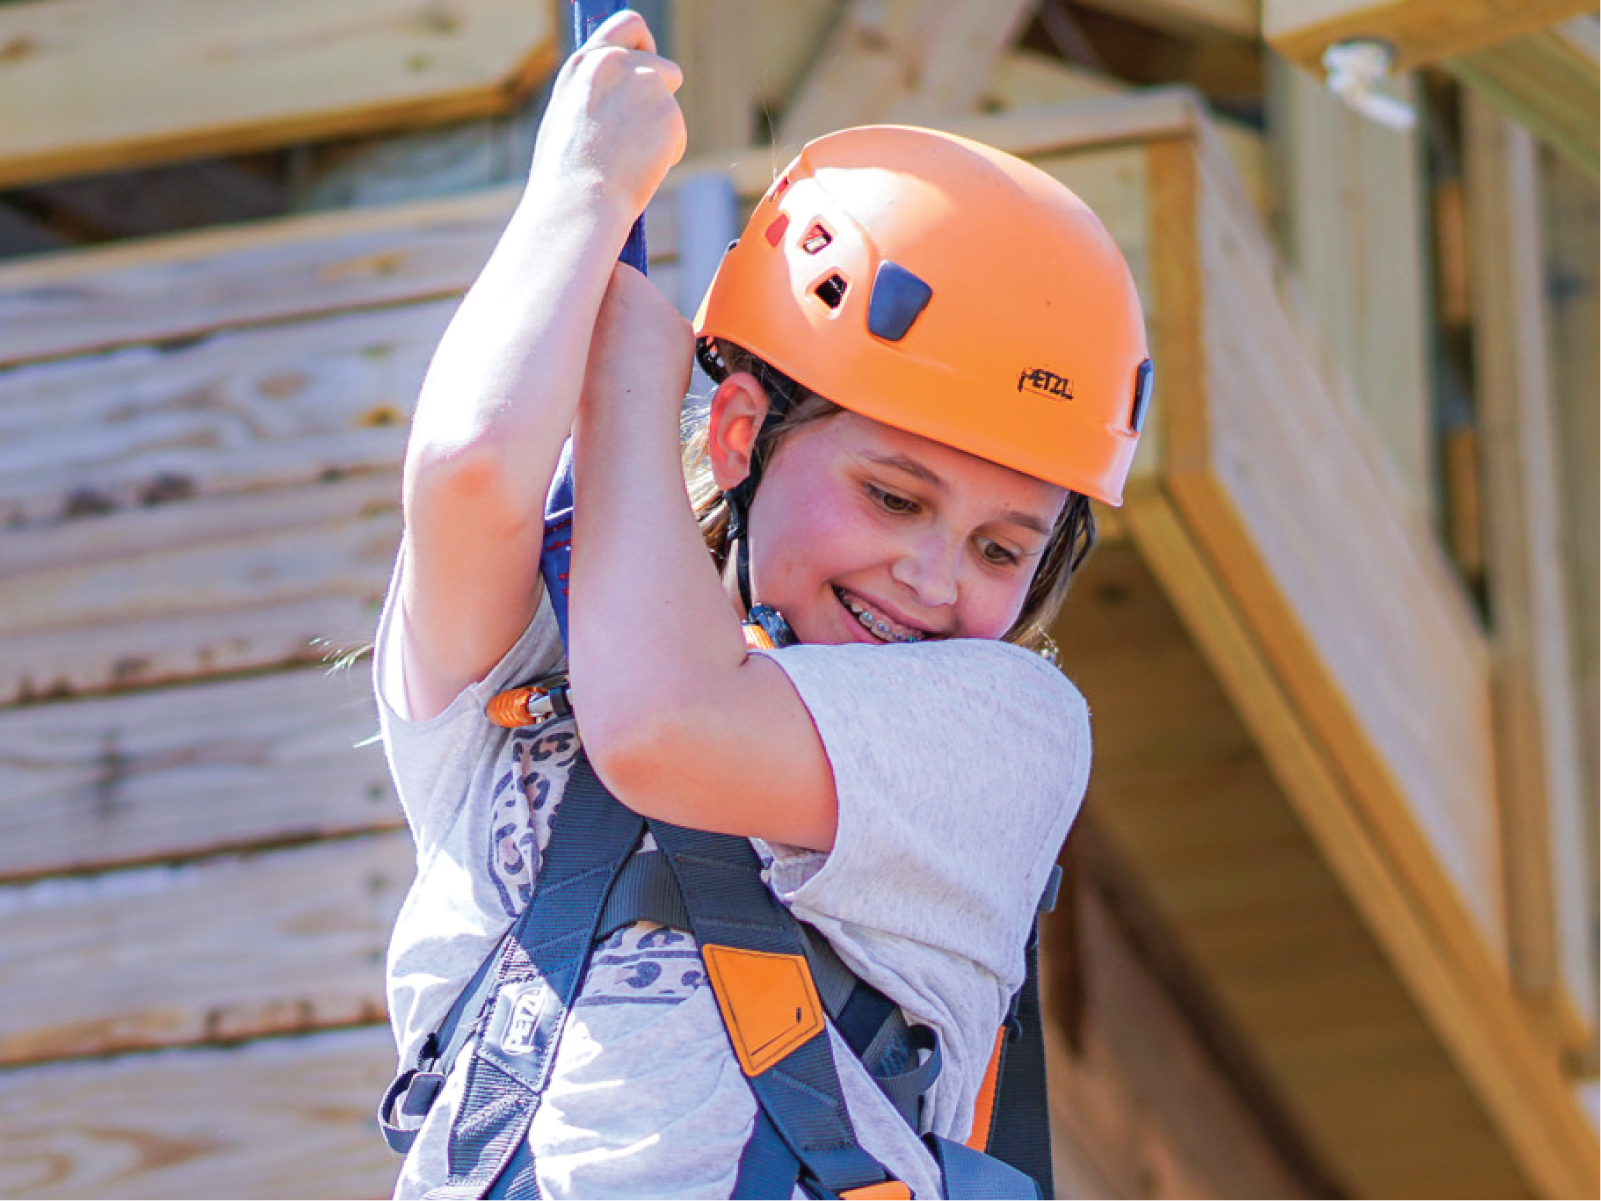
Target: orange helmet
column 950, row 290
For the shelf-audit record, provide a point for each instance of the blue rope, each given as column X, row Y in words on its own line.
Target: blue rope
column 555, row 559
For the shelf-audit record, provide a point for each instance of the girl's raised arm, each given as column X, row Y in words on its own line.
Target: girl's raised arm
column 502, row 389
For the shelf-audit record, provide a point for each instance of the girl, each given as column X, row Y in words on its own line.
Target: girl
column 909, row 770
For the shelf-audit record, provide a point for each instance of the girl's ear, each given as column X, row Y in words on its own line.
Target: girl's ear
column 735, row 416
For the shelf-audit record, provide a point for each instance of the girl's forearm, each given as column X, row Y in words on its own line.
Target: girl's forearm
column 650, row 618
column 678, row 719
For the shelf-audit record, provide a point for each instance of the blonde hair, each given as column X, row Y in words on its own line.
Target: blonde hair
column 1070, row 542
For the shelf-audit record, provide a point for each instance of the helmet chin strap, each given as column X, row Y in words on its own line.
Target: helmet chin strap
column 780, row 393
column 739, row 535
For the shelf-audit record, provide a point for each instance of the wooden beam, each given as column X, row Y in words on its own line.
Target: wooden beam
column 1538, row 741
column 1421, row 31
column 1549, row 82
column 178, row 773
column 285, row 1117
column 226, row 948
column 1234, row 18
column 1350, row 196
column 912, row 61
column 76, row 75
column 1572, row 225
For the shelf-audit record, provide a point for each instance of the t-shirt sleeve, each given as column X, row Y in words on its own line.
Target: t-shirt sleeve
column 959, row 767
column 431, row 761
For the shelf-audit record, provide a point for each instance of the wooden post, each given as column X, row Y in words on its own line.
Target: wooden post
column 1537, row 744
column 1573, row 292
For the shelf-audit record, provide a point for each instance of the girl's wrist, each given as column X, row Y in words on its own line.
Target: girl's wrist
column 579, row 197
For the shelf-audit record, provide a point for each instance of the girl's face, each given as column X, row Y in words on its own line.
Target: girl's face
column 865, row 533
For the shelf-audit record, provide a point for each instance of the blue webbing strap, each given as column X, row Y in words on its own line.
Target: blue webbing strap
column 969, row 1173
column 800, row 1095
column 541, row 967
column 556, row 554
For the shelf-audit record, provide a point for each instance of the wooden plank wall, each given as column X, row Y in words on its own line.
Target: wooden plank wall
column 202, row 857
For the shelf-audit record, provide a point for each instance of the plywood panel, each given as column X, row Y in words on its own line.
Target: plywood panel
column 219, row 583
column 229, row 947
column 176, row 773
column 284, row 1117
column 76, row 79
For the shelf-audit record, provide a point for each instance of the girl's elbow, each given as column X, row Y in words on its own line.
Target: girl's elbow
column 635, row 756
column 473, row 478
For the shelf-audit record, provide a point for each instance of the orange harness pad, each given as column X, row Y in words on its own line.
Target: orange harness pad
column 768, row 1000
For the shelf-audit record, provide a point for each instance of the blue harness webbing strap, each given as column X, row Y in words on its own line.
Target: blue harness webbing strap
column 537, row 976
column 800, row 1094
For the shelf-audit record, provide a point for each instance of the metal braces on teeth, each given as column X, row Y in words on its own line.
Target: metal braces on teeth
column 879, row 626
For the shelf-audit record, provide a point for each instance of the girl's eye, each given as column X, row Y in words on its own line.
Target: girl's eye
column 891, row 501
column 997, row 554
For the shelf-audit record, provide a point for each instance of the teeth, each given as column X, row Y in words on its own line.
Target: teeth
column 878, row 625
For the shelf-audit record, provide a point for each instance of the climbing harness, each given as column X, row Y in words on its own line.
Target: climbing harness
column 777, row 985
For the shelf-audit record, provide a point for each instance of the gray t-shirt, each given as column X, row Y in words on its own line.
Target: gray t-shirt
column 959, row 767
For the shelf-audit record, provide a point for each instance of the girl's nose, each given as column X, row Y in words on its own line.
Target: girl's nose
column 929, row 566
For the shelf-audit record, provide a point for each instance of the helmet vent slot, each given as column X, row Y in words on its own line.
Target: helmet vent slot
column 831, row 291
column 816, row 238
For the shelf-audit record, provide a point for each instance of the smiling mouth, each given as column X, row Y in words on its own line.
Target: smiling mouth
column 880, row 627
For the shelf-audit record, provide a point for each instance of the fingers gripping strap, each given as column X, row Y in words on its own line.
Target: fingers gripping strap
column 536, row 980
column 730, row 908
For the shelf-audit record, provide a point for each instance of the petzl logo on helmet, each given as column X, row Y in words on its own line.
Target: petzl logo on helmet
column 1045, row 383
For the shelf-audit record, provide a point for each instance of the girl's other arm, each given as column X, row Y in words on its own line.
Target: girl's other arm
column 679, row 721
column 503, row 386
